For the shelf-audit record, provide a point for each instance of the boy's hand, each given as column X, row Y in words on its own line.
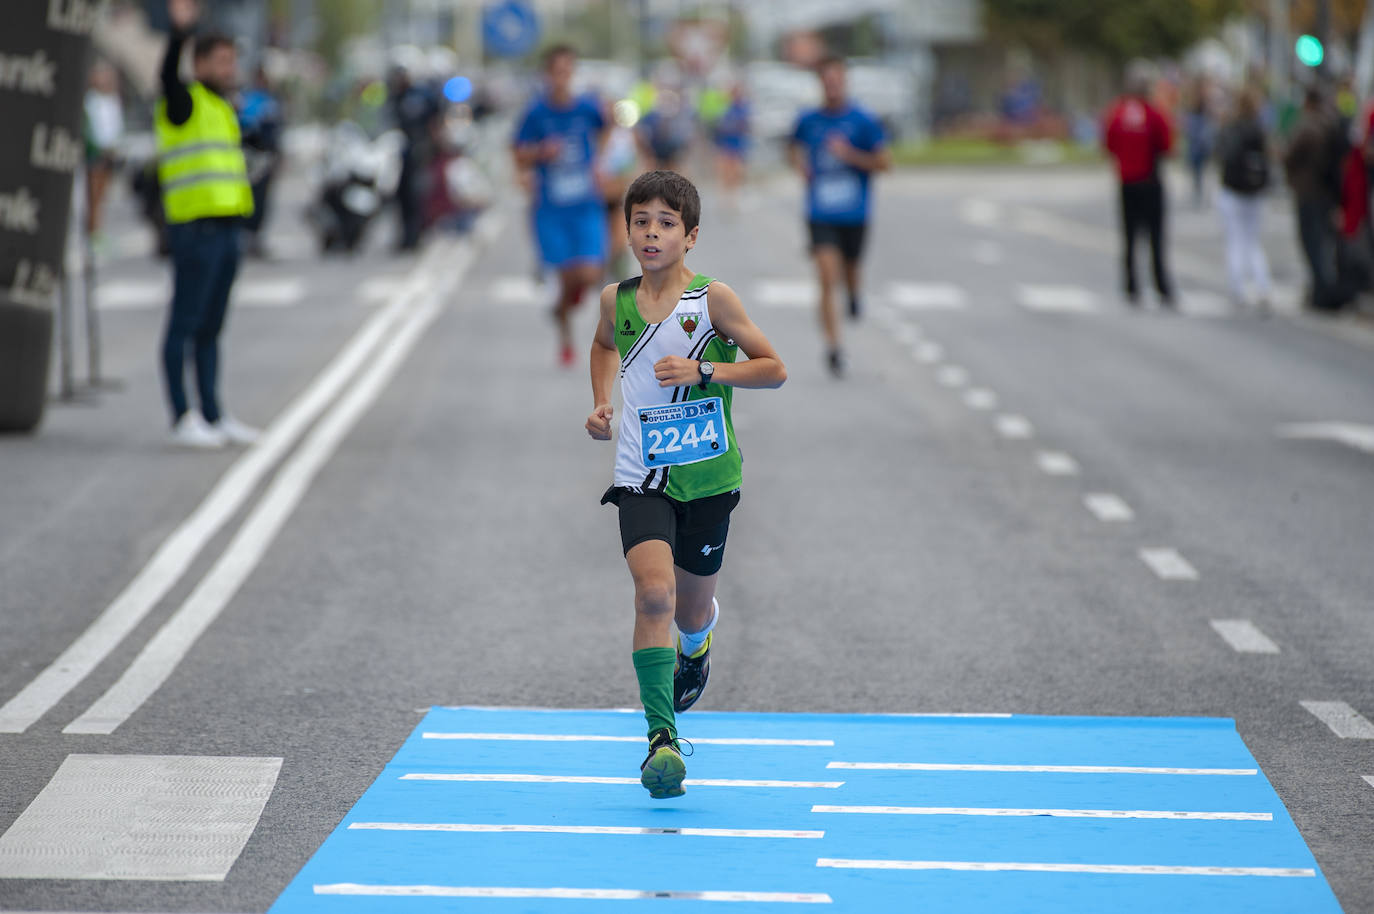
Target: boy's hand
column 550, row 150
column 183, row 14
column 599, row 422
column 675, row 371
column 840, row 147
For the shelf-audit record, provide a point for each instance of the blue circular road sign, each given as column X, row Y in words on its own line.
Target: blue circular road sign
column 509, row 28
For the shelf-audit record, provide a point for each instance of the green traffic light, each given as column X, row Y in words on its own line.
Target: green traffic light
column 1310, row 51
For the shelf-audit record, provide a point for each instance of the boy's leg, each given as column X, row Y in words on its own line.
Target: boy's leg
column 651, row 566
column 695, row 601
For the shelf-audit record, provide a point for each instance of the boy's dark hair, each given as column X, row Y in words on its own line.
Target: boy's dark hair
column 210, row 42
column 556, row 51
column 670, row 187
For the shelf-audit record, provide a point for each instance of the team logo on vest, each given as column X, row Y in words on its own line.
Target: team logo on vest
column 689, row 323
column 629, row 329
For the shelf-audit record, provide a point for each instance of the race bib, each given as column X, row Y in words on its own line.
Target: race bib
column 838, row 192
column 683, row 432
column 569, row 184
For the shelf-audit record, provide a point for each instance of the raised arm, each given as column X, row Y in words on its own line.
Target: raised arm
column 183, row 15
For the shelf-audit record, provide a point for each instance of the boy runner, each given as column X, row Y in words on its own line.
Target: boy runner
column 836, row 148
column 673, row 334
column 560, row 138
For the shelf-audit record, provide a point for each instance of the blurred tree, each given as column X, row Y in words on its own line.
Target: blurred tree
column 1118, row 31
column 340, row 20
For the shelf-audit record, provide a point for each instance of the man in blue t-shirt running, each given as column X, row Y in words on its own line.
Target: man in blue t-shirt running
column 560, row 139
column 836, row 148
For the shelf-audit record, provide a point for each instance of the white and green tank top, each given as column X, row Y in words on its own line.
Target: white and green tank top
column 689, row 333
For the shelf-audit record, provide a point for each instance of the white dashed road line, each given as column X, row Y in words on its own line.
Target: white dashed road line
column 1168, row 564
column 980, row 398
column 1108, row 508
column 1344, row 721
column 1053, row 813
column 928, row 353
column 1359, row 437
column 1057, row 299
column 1244, row 636
column 1013, row 426
column 1057, row 463
column 1103, row 868
column 929, row 296
column 952, row 376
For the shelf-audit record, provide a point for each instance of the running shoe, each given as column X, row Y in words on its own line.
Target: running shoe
column 835, row 361
column 855, row 308
column 663, row 771
column 565, row 356
column 690, row 675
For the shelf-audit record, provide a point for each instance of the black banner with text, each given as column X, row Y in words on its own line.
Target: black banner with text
column 44, row 56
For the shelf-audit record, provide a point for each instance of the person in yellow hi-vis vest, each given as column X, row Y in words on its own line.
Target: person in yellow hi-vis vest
column 205, row 197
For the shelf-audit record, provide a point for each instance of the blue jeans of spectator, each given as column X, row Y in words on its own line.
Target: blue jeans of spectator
column 205, row 259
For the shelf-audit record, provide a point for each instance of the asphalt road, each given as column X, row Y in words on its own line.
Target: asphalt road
column 901, row 545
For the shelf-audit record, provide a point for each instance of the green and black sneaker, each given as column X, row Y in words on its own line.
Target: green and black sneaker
column 690, row 675
column 663, row 771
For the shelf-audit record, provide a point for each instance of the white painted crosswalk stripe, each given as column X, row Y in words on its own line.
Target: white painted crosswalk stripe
column 579, row 779
column 1057, row 299
column 1244, row 636
column 595, row 738
column 1168, row 564
column 927, row 296
column 1108, row 508
column 1341, row 718
column 981, row 866
column 1052, row 813
column 155, row 294
column 1037, row 769
column 473, row 828
column 471, row 891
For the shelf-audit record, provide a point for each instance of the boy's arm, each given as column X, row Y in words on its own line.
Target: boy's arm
column 605, row 359
column 764, row 368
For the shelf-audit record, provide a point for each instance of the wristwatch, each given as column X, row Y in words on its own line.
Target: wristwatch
column 707, row 369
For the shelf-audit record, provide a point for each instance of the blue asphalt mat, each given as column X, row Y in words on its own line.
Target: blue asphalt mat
column 943, row 854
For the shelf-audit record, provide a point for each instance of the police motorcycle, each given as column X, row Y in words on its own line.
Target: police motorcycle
column 360, row 175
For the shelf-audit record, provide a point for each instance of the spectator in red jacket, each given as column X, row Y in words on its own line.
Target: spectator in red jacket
column 1138, row 137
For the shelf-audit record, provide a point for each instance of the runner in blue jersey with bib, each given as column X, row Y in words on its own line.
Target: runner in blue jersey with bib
column 837, row 147
column 560, row 138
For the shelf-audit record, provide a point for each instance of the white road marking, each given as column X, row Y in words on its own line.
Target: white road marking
column 1359, row 437
column 1054, row 813
column 585, row 830
column 980, row 398
column 479, row 891
column 927, row 296
column 1244, row 636
column 381, row 288
column 1057, row 299
column 1201, row 303
column 180, row 548
column 952, row 376
column 1168, row 564
column 588, row 738
column 785, row 293
column 573, row 779
column 1368, row 779
column 978, row 211
column 1037, row 769
column 928, row 353
column 175, row 638
column 139, row 817
column 154, row 294
column 1100, row 868
column 1344, row 721
column 1013, row 426
column 1057, row 463
column 522, row 290
column 987, row 253
column 1108, row 508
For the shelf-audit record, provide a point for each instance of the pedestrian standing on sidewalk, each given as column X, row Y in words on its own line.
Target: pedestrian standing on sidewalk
column 205, row 196
column 1138, row 137
column 1243, row 157
column 1314, row 179
column 1199, row 131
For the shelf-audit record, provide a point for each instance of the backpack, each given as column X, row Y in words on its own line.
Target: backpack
column 1245, row 168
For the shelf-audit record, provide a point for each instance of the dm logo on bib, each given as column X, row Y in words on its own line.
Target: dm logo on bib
column 689, row 322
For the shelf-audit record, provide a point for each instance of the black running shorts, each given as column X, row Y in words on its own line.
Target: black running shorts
column 848, row 239
column 695, row 530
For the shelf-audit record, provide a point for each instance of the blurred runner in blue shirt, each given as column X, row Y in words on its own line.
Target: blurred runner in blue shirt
column 836, row 147
column 560, row 139
column 731, row 135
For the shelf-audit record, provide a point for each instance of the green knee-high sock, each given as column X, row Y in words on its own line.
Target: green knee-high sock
column 654, row 668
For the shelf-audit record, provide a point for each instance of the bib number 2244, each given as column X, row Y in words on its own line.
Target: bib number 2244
column 683, row 432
